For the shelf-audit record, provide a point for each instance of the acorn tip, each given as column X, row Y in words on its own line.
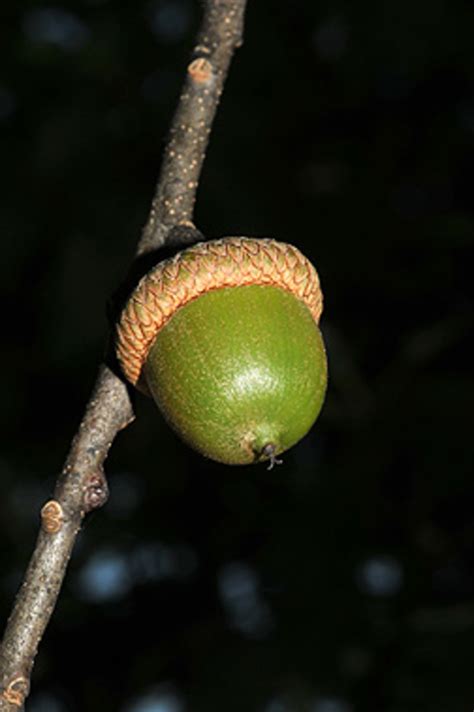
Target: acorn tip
column 268, row 451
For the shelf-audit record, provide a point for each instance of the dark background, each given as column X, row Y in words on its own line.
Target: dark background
column 343, row 580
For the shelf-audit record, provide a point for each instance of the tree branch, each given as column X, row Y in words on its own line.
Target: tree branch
column 82, row 486
column 173, row 204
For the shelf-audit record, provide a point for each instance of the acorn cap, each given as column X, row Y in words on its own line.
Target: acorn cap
column 204, row 267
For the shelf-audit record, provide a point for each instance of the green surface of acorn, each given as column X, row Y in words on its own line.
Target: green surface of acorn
column 225, row 338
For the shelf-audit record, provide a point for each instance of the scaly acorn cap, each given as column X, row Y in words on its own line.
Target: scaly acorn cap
column 204, row 267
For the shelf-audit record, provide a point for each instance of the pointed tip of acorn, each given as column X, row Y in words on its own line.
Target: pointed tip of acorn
column 268, row 452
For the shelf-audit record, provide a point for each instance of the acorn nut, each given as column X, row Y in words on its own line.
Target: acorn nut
column 225, row 337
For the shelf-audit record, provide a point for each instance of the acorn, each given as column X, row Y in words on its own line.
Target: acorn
column 224, row 336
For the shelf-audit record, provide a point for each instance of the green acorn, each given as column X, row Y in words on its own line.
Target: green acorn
column 225, row 338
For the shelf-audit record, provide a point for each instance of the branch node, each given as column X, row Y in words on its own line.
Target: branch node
column 184, row 234
column 202, row 49
column 200, row 71
column 96, row 492
column 16, row 691
column 52, row 517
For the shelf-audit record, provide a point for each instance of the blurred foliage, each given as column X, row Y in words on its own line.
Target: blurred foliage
column 343, row 580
